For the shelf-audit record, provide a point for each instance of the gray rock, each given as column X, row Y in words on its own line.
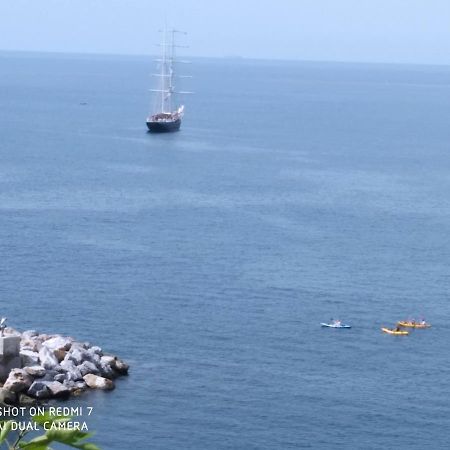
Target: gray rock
column 40, row 390
column 74, row 375
column 18, row 380
column 88, row 367
column 11, row 332
column 28, row 334
column 29, row 358
column 96, row 350
column 81, row 385
column 59, row 343
column 96, row 382
column 32, row 344
column 61, row 377
column 35, row 371
column 107, row 371
column 74, row 386
column 25, row 400
column 48, row 359
column 72, row 371
column 115, row 363
column 108, row 360
column 93, row 357
column 57, row 389
column 49, row 375
column 59, row 369
column 7, row 397
column 121, row 367
column 78, row 356
column 59, row 346
column 78, row 345
column 67, row 363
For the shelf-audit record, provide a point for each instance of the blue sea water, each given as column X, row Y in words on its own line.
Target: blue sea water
column 295, row 192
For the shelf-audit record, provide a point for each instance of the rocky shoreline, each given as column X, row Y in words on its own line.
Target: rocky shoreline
column 54, row 366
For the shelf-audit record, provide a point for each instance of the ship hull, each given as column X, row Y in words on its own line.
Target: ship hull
column 163, row 127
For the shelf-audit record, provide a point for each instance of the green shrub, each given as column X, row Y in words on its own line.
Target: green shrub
column 11, row 440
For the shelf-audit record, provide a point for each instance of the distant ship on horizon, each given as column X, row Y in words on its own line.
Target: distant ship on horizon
column 165, row 117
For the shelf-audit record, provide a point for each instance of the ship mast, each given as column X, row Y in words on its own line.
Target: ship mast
column 163, row 70
column 167, row 83
column 171, row 87
column 166, row 74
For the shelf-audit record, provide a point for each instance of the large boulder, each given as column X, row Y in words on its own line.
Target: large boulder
column 121, row 366
column 29, row 358
column 60, row 354
column 75, row 387
column 47, row 357
column 59, row 343
column 7, row 397
column 72, row 371
column 78, row 356
column 88, row 367
column 61, row 377
column 35, row 371
column 25, row 400
column 59, row 346
column 40, row 390
column 67, row 363
column 28, row 334
column 48, row 389
column 49, row 375
column 8, row 331
column 18, row 380
column 96, row 350
column 57, row 389
column 96, row 382
column 93, row 356
column 115, row 363
column 33, row 344
column 107, row 371
column 108, row 360
column 31, row 340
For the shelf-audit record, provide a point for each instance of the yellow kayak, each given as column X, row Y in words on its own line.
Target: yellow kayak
column 399, row 333
column 413, row 325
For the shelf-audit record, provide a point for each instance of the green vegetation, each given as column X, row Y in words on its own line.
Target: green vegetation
column 55, row 431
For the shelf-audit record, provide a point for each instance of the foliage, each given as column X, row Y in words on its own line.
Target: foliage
column 10, row 440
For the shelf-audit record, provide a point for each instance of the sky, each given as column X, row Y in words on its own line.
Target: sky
column 394, row 31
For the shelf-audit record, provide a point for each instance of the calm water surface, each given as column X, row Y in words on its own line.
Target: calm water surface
column 294, row 193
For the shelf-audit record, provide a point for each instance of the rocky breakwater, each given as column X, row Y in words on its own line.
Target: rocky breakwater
column 55, row 366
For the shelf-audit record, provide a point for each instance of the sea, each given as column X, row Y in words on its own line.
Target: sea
column 295, row 192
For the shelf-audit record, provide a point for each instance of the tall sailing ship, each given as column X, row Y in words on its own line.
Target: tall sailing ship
column 166, row 116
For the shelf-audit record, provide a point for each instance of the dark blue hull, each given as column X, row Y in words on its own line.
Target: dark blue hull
column 163, row 127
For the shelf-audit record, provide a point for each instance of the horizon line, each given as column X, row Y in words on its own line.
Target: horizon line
column 232, row 57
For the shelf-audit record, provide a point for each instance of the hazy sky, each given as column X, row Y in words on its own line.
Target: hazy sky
column 343, row 30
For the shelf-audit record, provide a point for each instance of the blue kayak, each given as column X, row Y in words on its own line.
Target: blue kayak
column 335, row 325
